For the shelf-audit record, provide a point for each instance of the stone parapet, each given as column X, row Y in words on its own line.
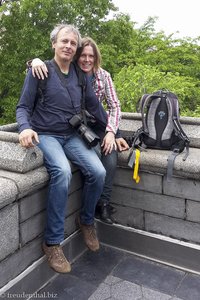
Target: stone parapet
column 23, row 192
column 154, row 205
column 22, row 217
column 157, row 161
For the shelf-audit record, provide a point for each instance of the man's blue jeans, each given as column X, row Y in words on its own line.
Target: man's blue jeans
column 57, row 153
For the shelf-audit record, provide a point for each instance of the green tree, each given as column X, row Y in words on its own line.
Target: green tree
column 131, row 83
column 114, row 38
column 25, row 28
column 157, row 61
column 140, row 60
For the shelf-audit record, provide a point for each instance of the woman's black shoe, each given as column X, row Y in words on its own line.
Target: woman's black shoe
column 112, row 209
column 103, row 213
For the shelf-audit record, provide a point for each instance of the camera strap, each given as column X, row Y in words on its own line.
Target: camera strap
column 81, row 82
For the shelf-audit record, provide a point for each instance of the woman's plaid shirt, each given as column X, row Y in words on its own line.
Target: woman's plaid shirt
column 105, row 91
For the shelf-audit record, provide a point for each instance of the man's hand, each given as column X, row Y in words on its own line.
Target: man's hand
column 27, row 138
column 108, row 143
column 39, row 69
column 121, row 144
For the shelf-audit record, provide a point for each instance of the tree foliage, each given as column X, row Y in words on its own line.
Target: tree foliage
column 156, row 61
column 132, row 82
column 25, row 29
column 140, row 60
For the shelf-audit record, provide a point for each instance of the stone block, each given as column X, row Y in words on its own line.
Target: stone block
column 192, row 131
column 32, row 228
column 172, row 227
column 129, row 216
column 9, row 192
column 14, row 157
column 70, row 224
column 29, row 182
column 36, row 202
column 127, row 125
column 11, row 137
column 14, row 264
column 183, row 188
column 167, row 205
column 32, row 204
column 148, row 181
column 13, row 127
column 9, row 233
column 193, row 211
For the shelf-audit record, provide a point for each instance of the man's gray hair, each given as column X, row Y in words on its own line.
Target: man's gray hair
column 69, row 28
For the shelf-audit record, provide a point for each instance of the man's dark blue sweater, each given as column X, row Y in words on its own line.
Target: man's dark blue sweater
column 52, row 114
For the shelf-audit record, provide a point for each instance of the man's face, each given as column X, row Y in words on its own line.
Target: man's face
column 66, row 45
column 86, row 60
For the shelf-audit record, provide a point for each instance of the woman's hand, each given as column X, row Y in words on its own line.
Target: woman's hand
column 39, row 68
column 121, row 144
column 108, row 143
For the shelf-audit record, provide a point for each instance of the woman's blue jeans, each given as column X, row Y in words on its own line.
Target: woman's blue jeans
column 109, row 162
column 58, row 151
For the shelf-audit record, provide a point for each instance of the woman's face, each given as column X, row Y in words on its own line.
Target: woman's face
column 86, row 60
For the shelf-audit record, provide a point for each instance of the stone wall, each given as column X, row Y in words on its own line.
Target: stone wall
column 154, row 205
column 170, row 208
column 23, row 190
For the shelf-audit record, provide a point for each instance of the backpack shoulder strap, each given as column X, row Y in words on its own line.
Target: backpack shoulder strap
column 42, row 86
column 140, row 102
column 42, row 82
column 179, row 147
column 80, row 74
column 173, row 100
column 144, row 101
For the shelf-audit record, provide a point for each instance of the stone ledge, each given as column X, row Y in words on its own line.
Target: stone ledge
column 16, row 185
column 9, row 191
column 13, row 127
column 15, row 158
column 9, row 137
column 25, row 183
column 157, row 160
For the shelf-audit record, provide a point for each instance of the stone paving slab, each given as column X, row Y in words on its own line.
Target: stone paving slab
column 111, row 274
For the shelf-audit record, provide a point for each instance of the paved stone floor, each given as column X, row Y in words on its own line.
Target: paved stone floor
column 112, row 274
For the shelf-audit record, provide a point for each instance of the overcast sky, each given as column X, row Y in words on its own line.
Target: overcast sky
column 174, row 15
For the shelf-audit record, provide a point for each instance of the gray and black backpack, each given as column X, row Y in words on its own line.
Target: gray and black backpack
column 161, row 128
